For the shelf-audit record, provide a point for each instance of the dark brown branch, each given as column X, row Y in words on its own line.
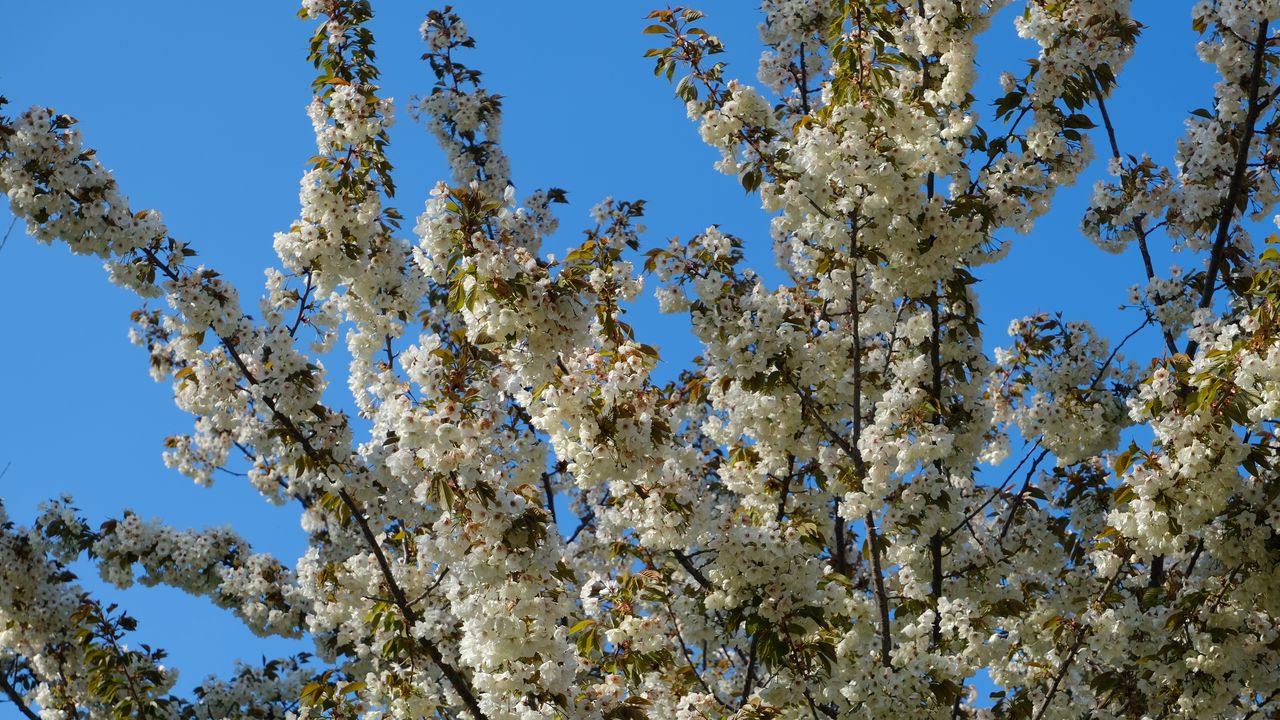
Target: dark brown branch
column 855, row 314
column 1017, row 501
column 303, row 301
column 1102, row 369
column 838, row 558
column 975, row 183
column 16, row 698
column 692, row 569
column 804, row 83
column 1195, row 557
column 550, row 495
column 751, row 670
column 996, row 492
column 455, row 678
column 815, row 708
column 882, row 597
column 830, row 432
column 1075, row 649
column 935, row 542
column 1236, row 186
column 786, row 489
column 5, row 239
column 688, row 656
column 583, row 524
column 935, row 586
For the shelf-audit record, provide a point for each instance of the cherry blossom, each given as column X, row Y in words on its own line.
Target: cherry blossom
column 843, row 508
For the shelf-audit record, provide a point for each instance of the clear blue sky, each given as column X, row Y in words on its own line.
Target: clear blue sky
column 201, row 115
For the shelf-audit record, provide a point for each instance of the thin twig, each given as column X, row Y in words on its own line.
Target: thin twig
column 1017, row 501
column 5, row 239
column 1137, row 224
column 996, row 491
column 303, row 300
column 688, row 656
column 1075, row 648
column 582, row 525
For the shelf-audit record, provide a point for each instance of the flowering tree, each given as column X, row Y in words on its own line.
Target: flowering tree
column 825, row 516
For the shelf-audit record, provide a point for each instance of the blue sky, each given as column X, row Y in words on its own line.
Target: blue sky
column 202, row 116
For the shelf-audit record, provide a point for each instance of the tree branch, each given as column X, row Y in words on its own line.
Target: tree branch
column 882, row 598
column 1236, row 186
column 751, row 670
column 935, row 541
column 16, row 698
column 455, row 678
column 1137, row 224
column 1075, row 648
column 692, row 569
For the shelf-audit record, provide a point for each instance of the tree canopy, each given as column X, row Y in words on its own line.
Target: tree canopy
column 843, row 508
